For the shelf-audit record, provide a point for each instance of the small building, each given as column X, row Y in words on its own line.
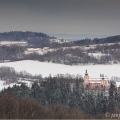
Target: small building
column 94, row 83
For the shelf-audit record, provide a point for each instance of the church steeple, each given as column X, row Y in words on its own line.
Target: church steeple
column 86, row 79
column 86, row 72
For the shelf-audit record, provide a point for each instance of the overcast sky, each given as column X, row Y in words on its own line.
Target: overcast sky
column 98, row 17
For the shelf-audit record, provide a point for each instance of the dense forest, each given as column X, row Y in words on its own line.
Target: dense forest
column 19, row 35
column 23, row 108
column 32, row 38
column 55, row 98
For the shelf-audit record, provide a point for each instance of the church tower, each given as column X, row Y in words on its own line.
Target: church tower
column 86, row 79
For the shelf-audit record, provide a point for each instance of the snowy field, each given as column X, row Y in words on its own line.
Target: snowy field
column 45, row 69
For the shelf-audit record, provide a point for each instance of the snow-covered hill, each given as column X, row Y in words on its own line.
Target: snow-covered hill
column 45, row 69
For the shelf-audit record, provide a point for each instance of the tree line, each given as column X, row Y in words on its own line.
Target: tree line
column 10, row 75
column 19, row 35
column 73, row 56
column 69, row 56
column 110, row 39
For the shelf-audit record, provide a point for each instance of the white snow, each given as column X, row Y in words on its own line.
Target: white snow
column 21, row 43
column 3, row 85
column 45, row 69
column 28, row 83
column 58, row 41
column 98, row 54
column 39, row 51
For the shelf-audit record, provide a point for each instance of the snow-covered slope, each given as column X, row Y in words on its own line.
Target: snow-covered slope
column 45, row 69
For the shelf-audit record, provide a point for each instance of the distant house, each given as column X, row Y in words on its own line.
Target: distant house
column 93, row 83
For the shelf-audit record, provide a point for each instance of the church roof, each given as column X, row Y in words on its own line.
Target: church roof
column 100, row 78
column 94, row 82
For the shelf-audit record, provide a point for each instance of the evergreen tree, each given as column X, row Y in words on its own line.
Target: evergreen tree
column 111, row 97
